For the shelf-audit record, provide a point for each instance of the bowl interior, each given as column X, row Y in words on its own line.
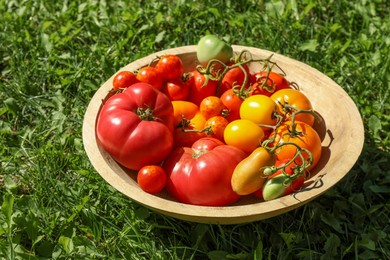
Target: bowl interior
column 341, row 131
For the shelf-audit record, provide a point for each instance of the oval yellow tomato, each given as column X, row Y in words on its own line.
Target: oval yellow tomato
column 243, row 134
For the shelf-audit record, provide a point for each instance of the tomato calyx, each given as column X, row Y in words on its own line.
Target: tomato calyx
column 145, row 114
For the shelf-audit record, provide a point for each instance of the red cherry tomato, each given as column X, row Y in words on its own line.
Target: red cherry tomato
column 235, row 77
column 124, row 79
column 151, row 178
column 170, row 67
column 199, row 89
column 265, row 83
column 176, row 89
column 151, row 76
column 232, row 102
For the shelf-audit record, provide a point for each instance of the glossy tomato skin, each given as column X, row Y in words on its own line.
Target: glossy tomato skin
column 307, row 138
column 296, row 99
column 211, row 47
column 136, row 126
column 235, row 77
column 124, row 79
column 211, row 106
column 151, row 178
column 183, row 110
column 186, row 135
column 217, row 124
column 151, row 76
column 232, row 102
column 176, row 89
column 243, row 134
column 170, row 67
column 199, row 89
column 260, row 109
column 202, row 177
column 265, row 83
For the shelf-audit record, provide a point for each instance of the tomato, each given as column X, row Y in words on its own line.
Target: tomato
column 211, row 47
column 183, row 110
column 135, row 127
column 217, row 124
column 192, row 131
column 288, row 100
column 243, row 134
column 170, row 67
column 200, row 89
column 268, row 83
column 151, row 178
column 124, row 79
column 211, row 106
column 259, row 109
column 232, row 102
column 303, row 136
column 151, row 76
column 235, row 77
column 176, row 89
column 284, row 181
column 201, row 174
column 248, row 176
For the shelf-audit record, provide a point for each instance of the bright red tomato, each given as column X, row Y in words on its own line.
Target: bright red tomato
column 170, row 67
column 151, row 76
column 176, row 89
column 203, row 176
column 235, row 77
column 232, row 102
column 124, row 79
column 265, row 83
column 199, row 89
column 135, row 127
column 151, row 178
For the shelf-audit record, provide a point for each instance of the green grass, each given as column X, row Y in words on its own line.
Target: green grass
column 54, row 56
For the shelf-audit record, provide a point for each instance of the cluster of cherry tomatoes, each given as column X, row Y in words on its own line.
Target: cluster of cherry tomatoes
column 239, row 108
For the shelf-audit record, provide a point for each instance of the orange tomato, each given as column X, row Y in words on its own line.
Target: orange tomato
column 305, row 137
column 211, row 106
column 217, row 125
column 186, row 135
column 295, row 99
column 183, row 110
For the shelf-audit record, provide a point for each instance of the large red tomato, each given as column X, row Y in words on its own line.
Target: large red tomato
column 201, row 175
column 136, row 126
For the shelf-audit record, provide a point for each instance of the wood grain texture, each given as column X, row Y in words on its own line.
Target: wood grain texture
column 341, row 131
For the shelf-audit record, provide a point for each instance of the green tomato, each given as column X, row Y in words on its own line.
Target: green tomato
column 211, row 47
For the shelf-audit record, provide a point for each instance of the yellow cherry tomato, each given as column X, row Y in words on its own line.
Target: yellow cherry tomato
column 243, row 134
column 259, row 109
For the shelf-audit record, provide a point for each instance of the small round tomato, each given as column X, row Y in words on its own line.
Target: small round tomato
column 200, row 88
column 170, row 67
column 259, row 109
column 304, row 136
column 243, row 134
column 232, row 102
column 211, row 106
column 124, row 79
column 268, row 83
column 176, row 89
column 183, row 110
column 217, row 125
column 235, row 77
column 187, row 134
column 289, row 100
column 151, row 76
column 151, row 178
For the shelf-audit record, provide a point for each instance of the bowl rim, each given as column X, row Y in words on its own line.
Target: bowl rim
column 117, row 177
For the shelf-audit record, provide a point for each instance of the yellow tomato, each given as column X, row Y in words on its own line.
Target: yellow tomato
column 259, row 109
column 243, row 134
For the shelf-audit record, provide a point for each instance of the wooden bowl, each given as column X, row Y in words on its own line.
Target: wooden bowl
column 341, row 131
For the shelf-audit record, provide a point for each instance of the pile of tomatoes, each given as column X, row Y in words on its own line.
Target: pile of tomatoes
column 211, row 135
